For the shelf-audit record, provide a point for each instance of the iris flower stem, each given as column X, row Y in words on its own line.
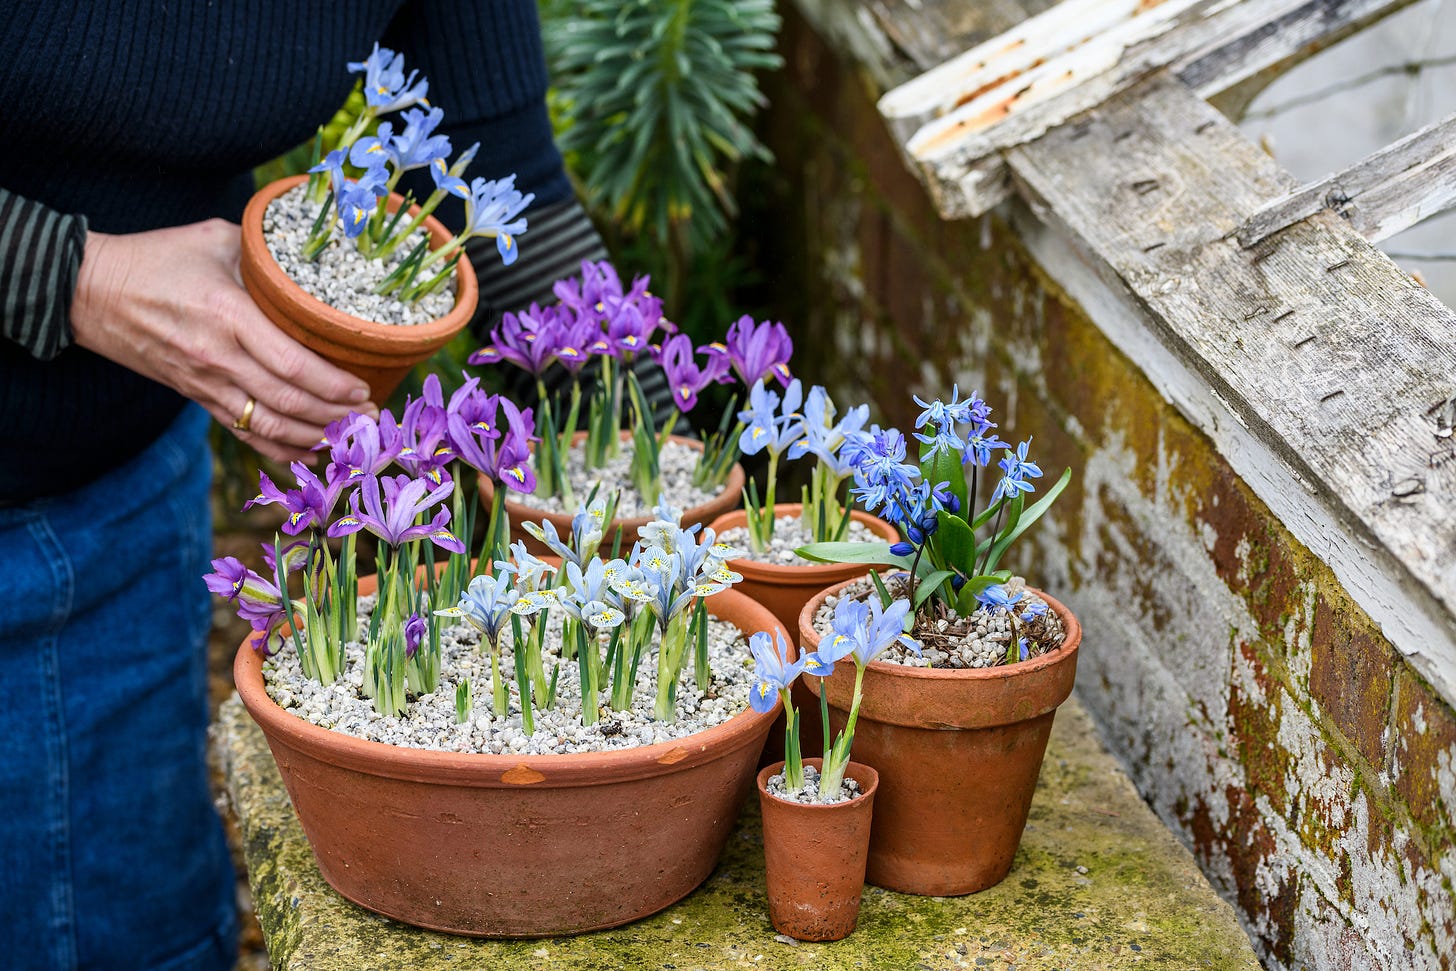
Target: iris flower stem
column 587, row 668
column 824, row 718
column 393, row 242
column 669, row 666
column 832, row 773
column 793, row 758
column 499, row 698
column 523, row 680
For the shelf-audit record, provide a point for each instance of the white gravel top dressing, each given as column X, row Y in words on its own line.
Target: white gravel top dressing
column 429, row 721
column 778, row 785
column 790, row 533
column 977, row 641
column 341, row 277
column 675, row 464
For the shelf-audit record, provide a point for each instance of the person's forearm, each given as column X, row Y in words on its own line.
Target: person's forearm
column 40, row 259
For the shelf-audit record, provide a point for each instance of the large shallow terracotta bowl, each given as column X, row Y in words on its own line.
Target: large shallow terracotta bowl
column 514, row 846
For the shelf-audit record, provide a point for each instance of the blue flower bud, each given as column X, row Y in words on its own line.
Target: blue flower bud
column 913, row 533
column 930, row 524
column 956, row 582
column 902, row 548
column 953, row 503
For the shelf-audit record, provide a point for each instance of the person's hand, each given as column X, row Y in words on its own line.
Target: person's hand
column 169, row 305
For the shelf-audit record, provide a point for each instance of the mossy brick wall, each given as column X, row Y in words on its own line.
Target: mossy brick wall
column 1258, row 709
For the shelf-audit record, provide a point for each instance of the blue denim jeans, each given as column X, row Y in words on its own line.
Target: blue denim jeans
column 111, row 853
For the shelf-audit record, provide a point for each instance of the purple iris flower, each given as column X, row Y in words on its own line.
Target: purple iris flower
column 308, row 506
column 425, row 432
column 499, row 450
column 1017, row 470
column 415, row 629
column 357, row 448
column 684, row 376
column 386, row 88
column 393, row 519
column 756, row 351
column 257, row 600
column 529, row 339
column 772, row 670
column 493, row 208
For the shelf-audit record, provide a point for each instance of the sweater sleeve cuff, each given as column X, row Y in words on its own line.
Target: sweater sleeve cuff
column 40, row 261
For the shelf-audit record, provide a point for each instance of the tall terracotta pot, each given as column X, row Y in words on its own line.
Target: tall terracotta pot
column 958, row 752
column 381, row 354
column 784, row 588
column 520, row 510
column 514, row 845
column 814, row 857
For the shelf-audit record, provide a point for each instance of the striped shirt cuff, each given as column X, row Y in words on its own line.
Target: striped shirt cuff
column 40, row 260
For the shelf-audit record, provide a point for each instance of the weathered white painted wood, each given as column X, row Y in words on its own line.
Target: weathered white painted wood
column 1211, row 43
column 1389, row 191
column 1338, row 370
column 992, row 65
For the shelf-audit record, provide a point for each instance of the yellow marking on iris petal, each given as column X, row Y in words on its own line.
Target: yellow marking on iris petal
column 517, row 474
column 811, row 665
column 439, row 163
column 630, row 340
column 510, row 243
column 716, row 345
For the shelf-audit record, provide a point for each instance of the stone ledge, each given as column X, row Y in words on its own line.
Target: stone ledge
column 1099, row 883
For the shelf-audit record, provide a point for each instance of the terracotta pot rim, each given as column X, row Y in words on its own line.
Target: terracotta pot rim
column 1071, row 642
column 858, row 771
column 489, row 770
column 334, row 322
column 732, row 486
column 798, row 573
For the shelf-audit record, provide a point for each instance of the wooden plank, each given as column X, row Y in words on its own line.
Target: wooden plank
column 1389, row 191
column 1335, row 361
column 1215, row 43
column 992, row 66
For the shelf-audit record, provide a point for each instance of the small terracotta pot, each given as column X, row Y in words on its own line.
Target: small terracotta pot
column 520, row 512
column 514, row 845
column 785, row 588
column 381, row 354
column 814, row 857
column 958, row 752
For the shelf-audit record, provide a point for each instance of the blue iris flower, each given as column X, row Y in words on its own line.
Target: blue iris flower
column 417, row 146
column 386, row 88
column 772, row 670
column 357, row 200
column 771, row 424
column 372, row 151
column 493, row 208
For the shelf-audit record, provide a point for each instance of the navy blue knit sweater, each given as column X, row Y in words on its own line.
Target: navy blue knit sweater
column 150, row 113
